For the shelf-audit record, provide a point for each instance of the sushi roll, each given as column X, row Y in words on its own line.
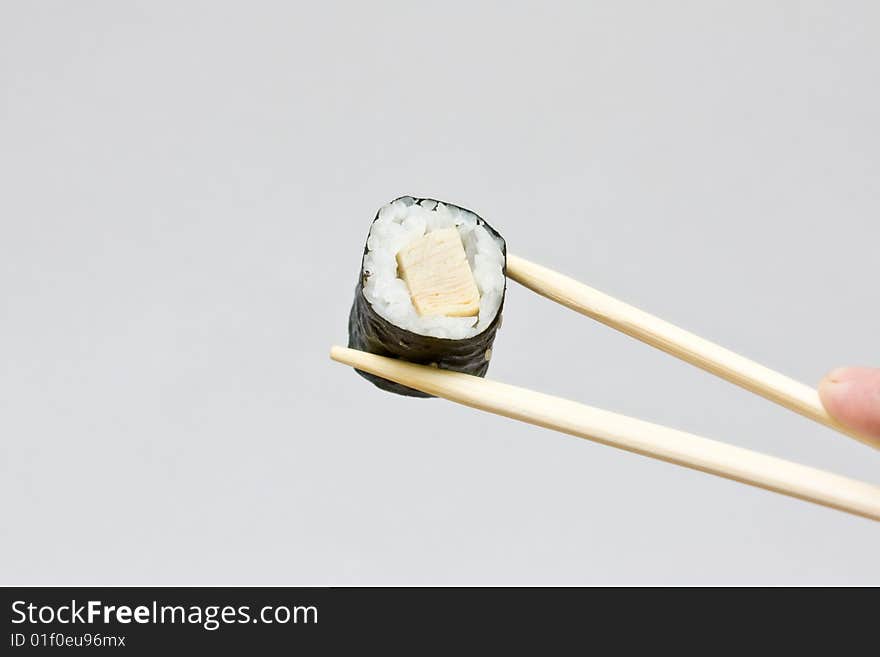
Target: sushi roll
column 430, row 289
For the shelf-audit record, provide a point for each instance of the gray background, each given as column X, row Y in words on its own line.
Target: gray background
column 186, row 188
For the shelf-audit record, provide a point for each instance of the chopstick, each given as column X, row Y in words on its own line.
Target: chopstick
column 673, row 446
column 688, row 347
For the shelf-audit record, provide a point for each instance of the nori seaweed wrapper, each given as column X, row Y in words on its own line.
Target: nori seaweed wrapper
column 369, row 331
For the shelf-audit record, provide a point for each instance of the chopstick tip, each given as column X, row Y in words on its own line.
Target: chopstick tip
column 337, row 353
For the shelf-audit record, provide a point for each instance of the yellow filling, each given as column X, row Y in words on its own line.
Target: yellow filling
column 439, row 278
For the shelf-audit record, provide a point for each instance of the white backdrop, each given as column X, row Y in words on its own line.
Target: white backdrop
column 184, row 193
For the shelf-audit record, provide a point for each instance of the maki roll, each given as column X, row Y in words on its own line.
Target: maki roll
column 430, row 290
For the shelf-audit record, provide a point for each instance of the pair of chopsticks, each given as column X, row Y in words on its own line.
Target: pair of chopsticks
column 673, row 446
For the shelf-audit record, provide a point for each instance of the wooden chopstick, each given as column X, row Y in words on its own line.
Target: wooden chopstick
column 675, row 341
column 626, row 433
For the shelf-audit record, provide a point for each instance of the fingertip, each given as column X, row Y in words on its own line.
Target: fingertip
column 851, row 396
column 834, row 394
column 842, row 374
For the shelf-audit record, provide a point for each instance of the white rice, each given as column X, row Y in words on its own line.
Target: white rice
column 404, row 221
